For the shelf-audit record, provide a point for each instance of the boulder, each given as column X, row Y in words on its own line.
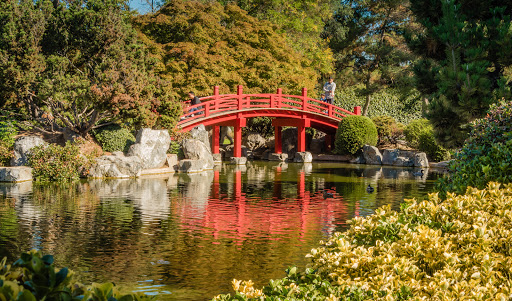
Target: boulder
column 372, row 155
column 303, row 157
column 151, row 147
column 403, row 162
column 22, row 148
column 194, row 149
column 441, row 165
column 116, row 166
column 254, row 141
column 359, row 159
column 226, row 132
column 191, row 166
column 278, row 157
column 266, row 154
column 317, row 145
column 200, row 133
column 228, row 151
column 289, row 138
column 389, row 156
column 172, row 161
column 238, row 161
column 420, row 160
column 217, row 158
column 15, row 174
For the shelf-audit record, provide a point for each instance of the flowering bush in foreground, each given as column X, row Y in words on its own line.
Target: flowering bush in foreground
column 456, row 249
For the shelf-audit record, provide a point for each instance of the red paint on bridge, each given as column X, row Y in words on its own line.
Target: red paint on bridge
column 298, row 111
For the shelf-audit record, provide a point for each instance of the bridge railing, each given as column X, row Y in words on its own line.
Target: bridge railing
column 221, row 103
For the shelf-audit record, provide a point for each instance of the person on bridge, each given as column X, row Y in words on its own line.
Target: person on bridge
column 194, row 100
column 329, row 88
column 322, row 97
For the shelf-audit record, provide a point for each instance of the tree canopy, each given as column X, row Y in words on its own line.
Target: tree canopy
column 465, row 52
column 76, row 65
column 203, row 44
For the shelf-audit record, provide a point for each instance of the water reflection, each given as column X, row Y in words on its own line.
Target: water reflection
column 186, row 236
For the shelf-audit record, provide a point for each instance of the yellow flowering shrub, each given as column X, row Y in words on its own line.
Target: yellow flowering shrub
column 456, row 249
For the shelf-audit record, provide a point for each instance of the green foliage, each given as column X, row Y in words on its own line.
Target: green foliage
column 414, row 129
column 35, row 277
column 6, row 153
column 419, row 134
column 387, row 102
column 203, row 44
column 369, row 47
column 114, row 138
column 388, row 129
column 353, row 133
column 486, row 155
column 261, row 125
column 433, row 249
column 8, row 131
column 464, row 59
column 174, row 148
column 57, row 163
column 77, row 64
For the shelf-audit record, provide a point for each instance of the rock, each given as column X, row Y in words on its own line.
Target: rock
column 116, row 166
column 277, row 157
column 254, row 141
column 332, row 158
column 22, row 148
column 372, row 155
column 151, row 147
column 266, row 154
column 359, row 159
column 238, row 161
column 191, row 166
column 226, row 132
column 389, row 156
column 217, row 158
column 229, row 151
column 403, row 161
column 317, row 146
column 172, row 161
column 303, row 157
column 441, row 165
column 15, row 174
column 200, row 133
column 70, row 135
column 420, row 160
column 289, row 138
column 196, row 150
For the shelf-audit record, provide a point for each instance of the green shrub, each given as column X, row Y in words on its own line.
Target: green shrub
column 34, row 277
column 487, row 153
column 8, row 132
column 353, row 133
column 453, row 249
column 114, row 138
column 428, row 144
column 388, row 102
column 57, row 163
column 261, row 125
column 388, row 129
column 414, row 129
column 6, row 153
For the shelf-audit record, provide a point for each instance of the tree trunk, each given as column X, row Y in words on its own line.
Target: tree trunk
column 368, row 96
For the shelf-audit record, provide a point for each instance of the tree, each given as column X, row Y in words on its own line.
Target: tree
column 366, row 37
column 206, row 44
column 78, row 66
column 301, row 21
column 465, row 52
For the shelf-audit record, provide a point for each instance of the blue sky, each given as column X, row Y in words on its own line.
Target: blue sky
column 140, row 5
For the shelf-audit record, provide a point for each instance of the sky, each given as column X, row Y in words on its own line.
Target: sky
column 140, row 5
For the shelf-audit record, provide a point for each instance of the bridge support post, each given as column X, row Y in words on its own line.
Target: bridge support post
column 277, row 139
column 215, row 139
column 301, row 139
column 239, row 124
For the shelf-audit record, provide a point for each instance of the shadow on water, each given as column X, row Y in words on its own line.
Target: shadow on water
column 185, row 237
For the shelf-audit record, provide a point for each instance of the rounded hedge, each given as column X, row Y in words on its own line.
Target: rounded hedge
column 114, row 138
column 353, row 133
column 486, row 155
column 414, row 129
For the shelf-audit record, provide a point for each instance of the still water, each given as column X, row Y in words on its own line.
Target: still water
column 185, row 237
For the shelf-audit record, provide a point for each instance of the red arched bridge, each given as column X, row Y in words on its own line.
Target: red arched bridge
column 233, row 110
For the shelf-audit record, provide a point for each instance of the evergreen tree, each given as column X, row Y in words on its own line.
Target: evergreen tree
column 465, row 52
column 366, row 37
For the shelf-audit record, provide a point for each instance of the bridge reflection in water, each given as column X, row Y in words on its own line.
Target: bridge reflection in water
column 187, row 236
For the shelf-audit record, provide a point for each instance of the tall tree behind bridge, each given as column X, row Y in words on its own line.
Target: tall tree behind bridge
column 465, row 53
column 367, row 39
column 202, row 44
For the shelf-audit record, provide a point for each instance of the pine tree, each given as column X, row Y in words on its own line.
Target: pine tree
column 464, row 56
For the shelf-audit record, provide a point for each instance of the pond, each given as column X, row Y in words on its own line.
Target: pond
column 185, row 237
